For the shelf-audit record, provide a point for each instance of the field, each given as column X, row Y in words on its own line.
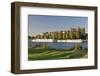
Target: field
column 51, row 53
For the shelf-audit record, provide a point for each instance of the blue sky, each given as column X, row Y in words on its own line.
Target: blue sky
column 40, row 23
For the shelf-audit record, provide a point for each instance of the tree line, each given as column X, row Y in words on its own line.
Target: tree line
column 73, row 33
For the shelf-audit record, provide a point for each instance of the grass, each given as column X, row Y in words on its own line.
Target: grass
column 49, row 54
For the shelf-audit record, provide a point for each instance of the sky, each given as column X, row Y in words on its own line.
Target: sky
column 38, row 24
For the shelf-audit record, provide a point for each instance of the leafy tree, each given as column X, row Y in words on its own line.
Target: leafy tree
column 29, row 37
column 73, row 33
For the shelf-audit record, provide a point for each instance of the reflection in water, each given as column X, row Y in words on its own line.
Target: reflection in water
column 59, row 45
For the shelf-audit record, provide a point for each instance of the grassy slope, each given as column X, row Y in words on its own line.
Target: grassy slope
column 48, row 54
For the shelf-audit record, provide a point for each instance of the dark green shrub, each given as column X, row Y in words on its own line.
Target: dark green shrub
column 78, row 47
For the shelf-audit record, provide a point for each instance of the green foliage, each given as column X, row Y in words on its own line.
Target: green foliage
column 30, row 37
column 73, row 33
column 78, row 47
column 41, row 46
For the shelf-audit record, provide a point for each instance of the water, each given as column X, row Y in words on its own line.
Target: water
column 59, row 45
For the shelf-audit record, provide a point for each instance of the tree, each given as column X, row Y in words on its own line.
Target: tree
column 61, row 35
column 73, row 33
column 78, row 35
column 82, row 33
column 55, row 35
column 30, row 37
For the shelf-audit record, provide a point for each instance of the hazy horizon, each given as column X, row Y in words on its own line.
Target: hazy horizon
column 41, row 23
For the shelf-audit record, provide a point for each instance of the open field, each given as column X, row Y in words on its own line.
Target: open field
column 49, row 54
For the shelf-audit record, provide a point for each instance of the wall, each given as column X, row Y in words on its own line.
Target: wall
column 5, row 33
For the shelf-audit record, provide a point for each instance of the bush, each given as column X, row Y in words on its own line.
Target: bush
column 78, row 47
column 41, row 46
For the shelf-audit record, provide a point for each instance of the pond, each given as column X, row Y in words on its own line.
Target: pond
column 59, row 45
